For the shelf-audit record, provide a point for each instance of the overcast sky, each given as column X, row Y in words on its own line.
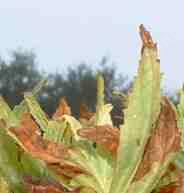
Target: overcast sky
column 67, row 32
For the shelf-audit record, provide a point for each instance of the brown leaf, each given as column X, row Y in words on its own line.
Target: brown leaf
column 63, row 109
column 30, row 137
column 85, row 113
column 45, row 186
column 165, row 139
column 105, row 135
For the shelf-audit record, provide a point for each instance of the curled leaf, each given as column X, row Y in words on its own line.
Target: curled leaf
column 165, row 139
column 28, row 134
column 63, row 109
column 105, row 135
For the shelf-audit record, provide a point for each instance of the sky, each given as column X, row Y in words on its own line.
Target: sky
column 67, row 32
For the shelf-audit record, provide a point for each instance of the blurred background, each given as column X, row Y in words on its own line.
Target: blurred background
column 69, row 41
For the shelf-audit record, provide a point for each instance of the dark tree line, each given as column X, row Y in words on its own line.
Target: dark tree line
column 78, row 85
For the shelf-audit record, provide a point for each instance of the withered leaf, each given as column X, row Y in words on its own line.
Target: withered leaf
column 63, row 109
column 164, row 140
column 30, row 137
column 105, row 135
column 85, row 113
column 45, row 186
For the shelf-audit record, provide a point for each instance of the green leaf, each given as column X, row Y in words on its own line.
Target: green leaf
column 10, row 168
column 96, row 161
column 36, row 111
column 6, row 114
column 141, row 114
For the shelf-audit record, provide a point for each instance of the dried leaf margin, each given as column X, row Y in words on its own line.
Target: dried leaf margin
column 165, row 139
column 29, row 136
column 104, row 135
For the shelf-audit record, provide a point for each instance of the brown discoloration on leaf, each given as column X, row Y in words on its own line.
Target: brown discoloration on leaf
column 105, row 135
column 85, row 113
column 30, row 137
column 146, row 37
column 165, row 139
column 167, row 189
column 63, row 109
column 180, row 187
column 66, row 170
column 46, row 186
column 171, row 168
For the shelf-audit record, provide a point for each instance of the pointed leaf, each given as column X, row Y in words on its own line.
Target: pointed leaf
column 63, row 109
column 141, row 114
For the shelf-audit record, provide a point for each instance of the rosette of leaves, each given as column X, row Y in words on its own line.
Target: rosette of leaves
column 60, row 154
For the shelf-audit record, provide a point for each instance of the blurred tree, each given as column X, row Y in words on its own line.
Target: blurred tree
column 18, row 76
column 78, row 85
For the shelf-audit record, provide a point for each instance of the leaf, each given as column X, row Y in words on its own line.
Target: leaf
column 10, row 169
column 63, row 109
column 146, row 38
column 22, row 107
column 73, row 125
column 165, row 139
column 6, row 114
column 88, row 181
column 55, row 131
column 160, row 151
column 105, row 135
column 85, row 113
column 97, row 163
column 36, row 111
column 180, row 120
column 139, row 118
column 103, row 116
column 4, row 188
column 167, row 189
column 46, row 186
column 29, row 136
column 174, row 188
column 68, row 171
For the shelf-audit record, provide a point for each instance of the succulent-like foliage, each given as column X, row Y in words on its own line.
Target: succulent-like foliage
column 39, row 154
